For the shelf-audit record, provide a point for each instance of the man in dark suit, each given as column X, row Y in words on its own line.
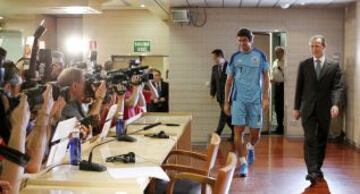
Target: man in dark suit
column 160, row 104
column 218, row 80
column 318, row 97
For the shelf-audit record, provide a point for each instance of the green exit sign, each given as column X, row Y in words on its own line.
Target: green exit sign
column 141, row 46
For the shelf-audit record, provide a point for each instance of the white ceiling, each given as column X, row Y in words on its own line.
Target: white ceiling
column 258, row 3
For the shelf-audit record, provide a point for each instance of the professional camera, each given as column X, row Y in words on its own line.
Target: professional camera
column 34, row 94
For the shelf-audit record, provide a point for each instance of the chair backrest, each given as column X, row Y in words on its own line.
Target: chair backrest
column 225, row 176
column 212, row 151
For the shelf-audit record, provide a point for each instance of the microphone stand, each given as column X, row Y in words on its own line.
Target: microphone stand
column 128, row 138
column 88, row 165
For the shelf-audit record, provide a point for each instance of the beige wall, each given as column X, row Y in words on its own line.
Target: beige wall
column 190, row 61
column 27, row 25
column 352, row 72
column 115, row 32
column 67, row 27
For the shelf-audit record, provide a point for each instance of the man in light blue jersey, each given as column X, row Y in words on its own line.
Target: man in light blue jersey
column 247, row 72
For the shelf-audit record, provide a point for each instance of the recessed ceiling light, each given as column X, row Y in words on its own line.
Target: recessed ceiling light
column 142, row 5
column 1, row 17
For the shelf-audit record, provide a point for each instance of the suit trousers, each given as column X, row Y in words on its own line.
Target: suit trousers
column 279, row 104
column 224, row 119
column 316, row 130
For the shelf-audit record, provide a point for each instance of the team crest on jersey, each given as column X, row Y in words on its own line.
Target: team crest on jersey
column 255, row 60
column 239, row 62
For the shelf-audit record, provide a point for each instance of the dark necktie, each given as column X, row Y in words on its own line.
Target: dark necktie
column 158, row 87
column 318, row 68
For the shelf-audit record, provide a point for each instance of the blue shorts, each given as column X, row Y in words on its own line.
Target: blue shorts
column 246, row 114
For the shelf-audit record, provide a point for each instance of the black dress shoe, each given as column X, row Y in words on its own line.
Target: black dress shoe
column 311, row 178
column 277, row 132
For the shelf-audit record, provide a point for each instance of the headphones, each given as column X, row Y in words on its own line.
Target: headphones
column 125, row 158
column 160, row 135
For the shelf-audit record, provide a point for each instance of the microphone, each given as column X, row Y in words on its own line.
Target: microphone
column 88, row 165
column 14, row 156
column 128, row 138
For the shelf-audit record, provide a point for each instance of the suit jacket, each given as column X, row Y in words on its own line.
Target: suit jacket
column 218, row 81
column 320, row 94
column 164, row 93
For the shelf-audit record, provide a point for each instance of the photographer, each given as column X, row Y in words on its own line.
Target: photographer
column 134, row 98
column 74, row 78
column 38, row 133
column 12, row 173
column 38, row 138
column 57, row 64
column 12, row 80
column 150, row 93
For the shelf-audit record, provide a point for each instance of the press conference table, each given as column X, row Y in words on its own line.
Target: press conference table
column 149, row 152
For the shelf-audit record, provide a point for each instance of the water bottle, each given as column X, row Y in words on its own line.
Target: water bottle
column 119, row 127
column 75, row 148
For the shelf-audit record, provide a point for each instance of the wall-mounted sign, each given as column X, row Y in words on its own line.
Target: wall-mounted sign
column 141, row 46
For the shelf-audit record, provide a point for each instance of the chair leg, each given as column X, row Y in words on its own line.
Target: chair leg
column 151, row 187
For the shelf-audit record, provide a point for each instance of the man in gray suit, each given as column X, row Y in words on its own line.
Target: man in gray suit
column 319, row 91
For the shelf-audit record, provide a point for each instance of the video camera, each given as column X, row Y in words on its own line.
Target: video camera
column 114, row 80
column 113, row 84
column 128, row 73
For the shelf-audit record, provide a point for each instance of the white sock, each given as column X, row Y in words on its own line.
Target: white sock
column 242, row 160
column 249, row 146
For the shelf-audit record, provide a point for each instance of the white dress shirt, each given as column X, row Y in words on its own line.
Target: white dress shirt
column 322, row 61
column 276, row 74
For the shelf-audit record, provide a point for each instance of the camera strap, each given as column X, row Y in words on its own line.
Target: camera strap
column 80, row 109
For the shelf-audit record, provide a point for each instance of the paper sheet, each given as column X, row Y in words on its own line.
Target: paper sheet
column 108, row 122
column 64, row 128
column 57, row 153
column 138, row 172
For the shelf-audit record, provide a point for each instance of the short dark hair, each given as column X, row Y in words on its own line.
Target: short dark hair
column 244, row 32
column 318, row 37
column 218, row 53
column 156, row 70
